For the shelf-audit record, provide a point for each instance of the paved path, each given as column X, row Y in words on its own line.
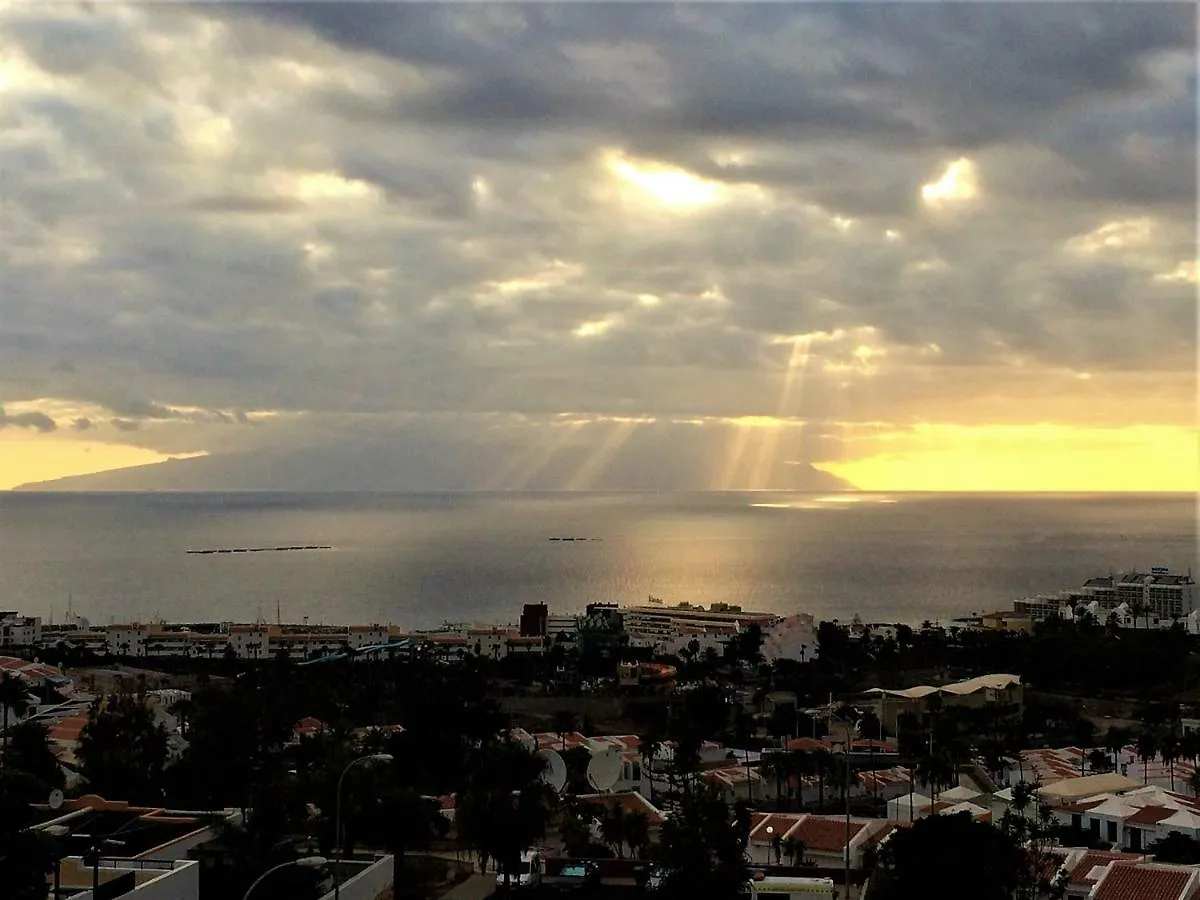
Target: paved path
column 477, row 887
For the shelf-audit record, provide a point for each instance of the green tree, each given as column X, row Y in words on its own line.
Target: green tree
column 702, row 849
column 504, row 806
column 1147, row 749
column 1176, row 848
column 122, row 751
column 1031, row 825
column 939, row 855
column 26, row 857
column 565, row 721
column 28, row 750
column 14, row 700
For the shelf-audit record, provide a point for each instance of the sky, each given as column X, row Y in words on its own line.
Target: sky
column 501, row 246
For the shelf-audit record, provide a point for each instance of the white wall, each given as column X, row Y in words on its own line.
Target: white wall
column 368, row 884
column 183, row 883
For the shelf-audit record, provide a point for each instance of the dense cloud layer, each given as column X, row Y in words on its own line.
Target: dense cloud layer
column 855, row 218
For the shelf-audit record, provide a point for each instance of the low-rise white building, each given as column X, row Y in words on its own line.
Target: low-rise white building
column 17, row 630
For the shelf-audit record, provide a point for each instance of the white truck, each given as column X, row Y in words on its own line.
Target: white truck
column 527, row 876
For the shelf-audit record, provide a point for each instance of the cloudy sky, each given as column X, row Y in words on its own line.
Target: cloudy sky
column 583, row 246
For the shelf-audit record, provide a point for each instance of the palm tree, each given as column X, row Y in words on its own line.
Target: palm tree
column 637, row 834
column 1189, row 746
column 820, row 763
column 564, row 723
column 13, row 696
column 1147, row 749
column 1098, row 760
column 800, row 765
column 612, row 829
column 1169, row 748
column 1194, row 782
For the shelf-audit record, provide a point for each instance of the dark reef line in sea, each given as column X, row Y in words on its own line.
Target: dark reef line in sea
column 261, row 549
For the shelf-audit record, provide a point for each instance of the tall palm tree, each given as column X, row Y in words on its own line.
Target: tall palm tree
column 1147, row 749
column 1168, row 748
column 13, row 697
column 820, row 763
column 800, row 766
column 637, row 834
column 1194, row 782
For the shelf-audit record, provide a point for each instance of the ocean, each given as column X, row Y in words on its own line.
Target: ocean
column 420, row 560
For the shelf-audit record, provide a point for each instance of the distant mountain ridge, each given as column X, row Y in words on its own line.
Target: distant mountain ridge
column 417, row 465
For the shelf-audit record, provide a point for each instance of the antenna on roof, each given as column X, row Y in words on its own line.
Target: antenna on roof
column 277, row 621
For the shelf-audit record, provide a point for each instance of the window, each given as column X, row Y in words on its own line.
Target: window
column 1135, row 839
column 1112, row 832
column 1077, row 822
column 1094, row 825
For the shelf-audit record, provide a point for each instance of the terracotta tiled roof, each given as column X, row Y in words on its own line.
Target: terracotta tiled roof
column 806, row 743
column 1082, row 873
column 1150, row 815
column 1140, row 882
column 630, row 801
column 867, row 744
column 827, row 835
column 67, row 729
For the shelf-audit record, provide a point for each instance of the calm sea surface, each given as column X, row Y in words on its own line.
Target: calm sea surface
column 419, row 560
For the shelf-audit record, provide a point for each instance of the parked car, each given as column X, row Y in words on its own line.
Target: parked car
column 576, row 877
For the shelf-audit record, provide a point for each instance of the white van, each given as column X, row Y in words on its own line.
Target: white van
column 526, row 877
column 784, row 887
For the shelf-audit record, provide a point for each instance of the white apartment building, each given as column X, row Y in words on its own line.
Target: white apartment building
column 95, row 640
column 1158, row 592
column 17, row 630
column 667, row 621
column 127, row 640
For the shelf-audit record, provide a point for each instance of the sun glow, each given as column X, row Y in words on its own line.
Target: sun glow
column 27, row 458
column 667, row 186
column 1029, row 458
column 958, row 182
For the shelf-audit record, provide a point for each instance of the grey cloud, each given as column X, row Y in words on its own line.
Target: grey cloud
column 125, row 424
column 82, row 424
column 245, row 204
column 35, row 420
column 182, row 271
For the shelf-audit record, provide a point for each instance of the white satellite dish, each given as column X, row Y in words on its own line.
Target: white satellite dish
column 56, row 799
column 555, row 773
column 604, row 769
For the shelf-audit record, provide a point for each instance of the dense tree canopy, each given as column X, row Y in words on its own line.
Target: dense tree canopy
column 122, row 750
column 947, row 858
column 702, row 849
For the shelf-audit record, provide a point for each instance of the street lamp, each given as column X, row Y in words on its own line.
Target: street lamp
column 304, row 862
column 58, row 832
column 849, row 728
column 337, row 818
column 92, row 856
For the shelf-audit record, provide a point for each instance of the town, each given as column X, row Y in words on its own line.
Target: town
column 660, row 750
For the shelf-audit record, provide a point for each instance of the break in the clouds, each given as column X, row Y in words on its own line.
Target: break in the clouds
column 568, row 244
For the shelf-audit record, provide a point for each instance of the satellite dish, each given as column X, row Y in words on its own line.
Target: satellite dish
column 555, row 773
column 56, row 799
column 604, row 769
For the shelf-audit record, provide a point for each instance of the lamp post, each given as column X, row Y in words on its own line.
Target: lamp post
column 337, row 818
column 58, row 832
column 304, row 862
column 849, row 729
column 92, row 856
